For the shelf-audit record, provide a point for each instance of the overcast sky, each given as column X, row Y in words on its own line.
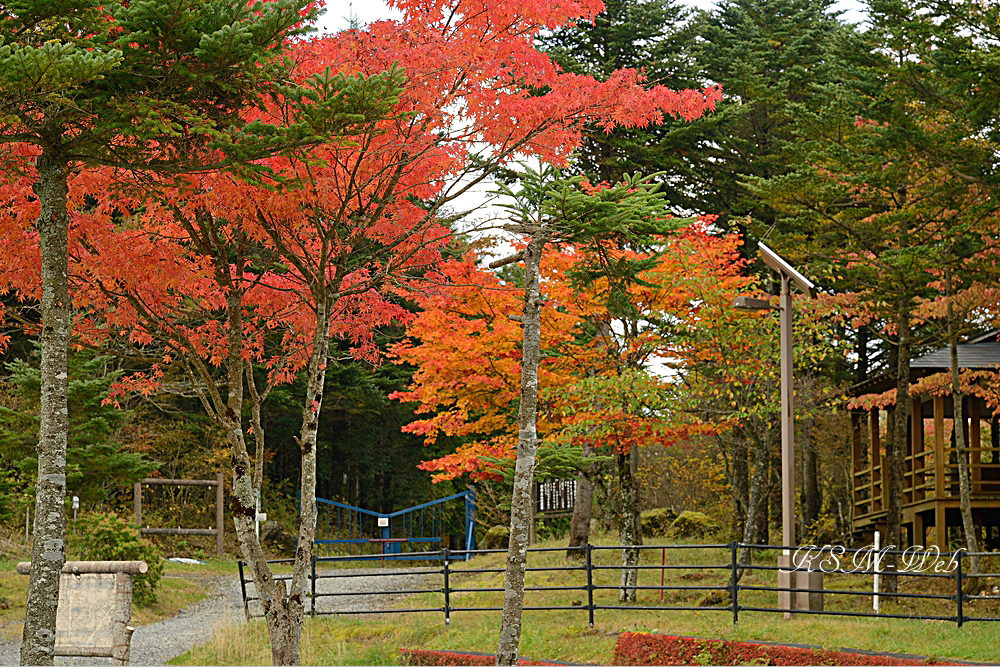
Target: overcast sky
column 366, row 11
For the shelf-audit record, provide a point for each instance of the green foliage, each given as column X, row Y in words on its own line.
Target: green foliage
column 553, row 528
column 602, row 221
column 891, row 174
column 767, row 54
column 554, row 461
column 108, row 537
column 97, row 465
column 165, row 86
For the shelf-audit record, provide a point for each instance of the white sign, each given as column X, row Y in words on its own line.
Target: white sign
column 383, row 522
column 835, row 558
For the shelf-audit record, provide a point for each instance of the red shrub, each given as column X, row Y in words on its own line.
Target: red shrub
column 646, row 649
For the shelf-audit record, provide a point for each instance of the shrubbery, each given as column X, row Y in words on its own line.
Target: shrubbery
column 108, row 537
column 656, row 522
column 497, row 537
column 647, row 649
column 694, row 525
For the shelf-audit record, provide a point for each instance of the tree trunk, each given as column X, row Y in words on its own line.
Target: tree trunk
column 603, row 498
column 626, row 530
column 957, row 397
column 579, row 527
column 762, row 533
column 740, row 484
column 636, row 508
column 758, row 487
column 48, row 548
column 272, row 593
column 893, row 475
column 774, row 491
column 283, row 607
column 524, row 465
column 861, row 349
column 812, row 492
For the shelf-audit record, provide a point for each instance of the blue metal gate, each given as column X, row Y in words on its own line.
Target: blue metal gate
column 416, row 533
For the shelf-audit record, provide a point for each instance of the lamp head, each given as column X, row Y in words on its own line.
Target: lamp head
column 773, row 260
column 750, row 303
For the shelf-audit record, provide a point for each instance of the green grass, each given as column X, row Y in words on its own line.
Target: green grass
column 565, row 634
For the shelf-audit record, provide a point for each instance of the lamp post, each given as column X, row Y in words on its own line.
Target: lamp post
column 787, row 600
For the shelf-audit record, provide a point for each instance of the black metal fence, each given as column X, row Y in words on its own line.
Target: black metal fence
column 742, row 585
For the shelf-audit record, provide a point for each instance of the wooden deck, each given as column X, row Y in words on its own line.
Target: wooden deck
column 930, row 480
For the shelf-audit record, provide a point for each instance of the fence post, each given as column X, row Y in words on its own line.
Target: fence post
column 312, row 610
column 445, row 554
column 590, row 583
column 958, row 588
column 733, row 584
column 243, row 587
column 220, row 515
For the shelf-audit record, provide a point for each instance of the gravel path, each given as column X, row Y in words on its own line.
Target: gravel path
column 154, row 644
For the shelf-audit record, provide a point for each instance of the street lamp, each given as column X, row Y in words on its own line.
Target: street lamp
column 787, row 578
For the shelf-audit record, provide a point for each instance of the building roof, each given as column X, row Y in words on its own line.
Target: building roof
column 970, row 355
column 982, row 352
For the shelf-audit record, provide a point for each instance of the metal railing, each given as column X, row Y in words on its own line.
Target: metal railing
column 739, row 588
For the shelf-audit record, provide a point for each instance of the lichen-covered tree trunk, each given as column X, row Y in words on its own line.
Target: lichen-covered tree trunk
column 758, row 488
column 48, row 549
column 579, row 527
column 626, row 530
column 284, row 608
column 739, row 483
column 307, row 449
column 273, row 598
column 636, row 509
column 957, row 398
column 524, row 466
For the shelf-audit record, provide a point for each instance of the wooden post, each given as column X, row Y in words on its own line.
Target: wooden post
column 219, row 514
column 916, row 450
column 137, row 502
column 976, row 442
column 940, row 526
column 121, row 617
column 856, row 456
column 875, row 462
column 939, row 457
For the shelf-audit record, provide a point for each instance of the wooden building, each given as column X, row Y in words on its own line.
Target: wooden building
column 930, row 479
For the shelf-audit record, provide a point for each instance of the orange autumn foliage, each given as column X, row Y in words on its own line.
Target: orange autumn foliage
column 593, row 386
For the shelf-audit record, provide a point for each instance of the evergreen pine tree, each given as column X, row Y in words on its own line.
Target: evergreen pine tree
column 889, row 183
